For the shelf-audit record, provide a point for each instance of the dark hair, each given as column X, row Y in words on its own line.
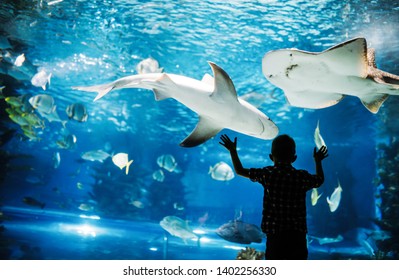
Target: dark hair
column 283, row 147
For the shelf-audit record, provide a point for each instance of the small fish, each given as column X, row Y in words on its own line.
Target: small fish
column 328, row 240
column 19, row 60
column 26, row 106
column 314, row 196
column 86, row 207
column 34, row 120
column 318, row 139
column 77, row 111
column 168, row 162
column 53, row 117
column 94, row 155
column 41, row 78
column 121, row 160
column 33, row 179
column 148, row 65
column 335, row 198
column 158, row 175
column 67, row 142
column 19, row 120
column 13, row 111
column 202, row 220
column 50, row 3
column 79, row 186
column 43, row 103
column 14, row 101
column 177, row 227
column 56, row 159
column 221, row 172
column 33, row 202
column 30, row 133
column 137, row 203
column 178, row 206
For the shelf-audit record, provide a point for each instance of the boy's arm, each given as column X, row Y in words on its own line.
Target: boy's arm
column 232, row 147
column 318, row 157
column 239, row 169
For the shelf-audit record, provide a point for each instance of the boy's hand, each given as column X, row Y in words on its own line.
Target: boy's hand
column 227, row 143
column 320, row 154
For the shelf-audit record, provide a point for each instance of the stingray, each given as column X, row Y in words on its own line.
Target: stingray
column 319, row 80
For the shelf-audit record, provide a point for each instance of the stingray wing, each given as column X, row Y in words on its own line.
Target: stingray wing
column 348, row 58
column 312, row 99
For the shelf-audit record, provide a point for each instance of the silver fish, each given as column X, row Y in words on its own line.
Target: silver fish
column 158, row 175
column 56, row 159
column 318, row 139
column 43, row 103
column 41, row 79
column 96, row 155
column 67, row 141
column 77, row 111
column 169, row 163
column 19, row 60
column 177, row 227
column 335, row 198
column 327, row 240
column 53, row 117
column 221, row 171
column 314, row 197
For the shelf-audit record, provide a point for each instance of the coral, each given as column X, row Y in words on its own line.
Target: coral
column 250, row 254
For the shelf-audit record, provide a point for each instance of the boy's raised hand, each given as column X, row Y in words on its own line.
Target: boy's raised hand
column 227, row 143
column 321, row 154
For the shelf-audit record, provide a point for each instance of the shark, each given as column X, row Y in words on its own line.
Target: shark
column 318, row 80
column 214, row 99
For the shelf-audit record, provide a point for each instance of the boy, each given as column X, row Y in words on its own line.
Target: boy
column 284, row 199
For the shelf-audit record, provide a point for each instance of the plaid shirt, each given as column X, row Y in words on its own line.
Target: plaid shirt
column 284, row 199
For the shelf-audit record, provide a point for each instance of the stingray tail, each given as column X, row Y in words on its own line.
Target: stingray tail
column 391, row 79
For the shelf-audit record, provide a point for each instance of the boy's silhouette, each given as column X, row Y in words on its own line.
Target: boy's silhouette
column 284, row 199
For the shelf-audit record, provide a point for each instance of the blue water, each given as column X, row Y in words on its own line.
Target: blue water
column 85, row 43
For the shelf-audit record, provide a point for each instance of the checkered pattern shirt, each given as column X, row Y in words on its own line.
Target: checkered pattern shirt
column 284, row 199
